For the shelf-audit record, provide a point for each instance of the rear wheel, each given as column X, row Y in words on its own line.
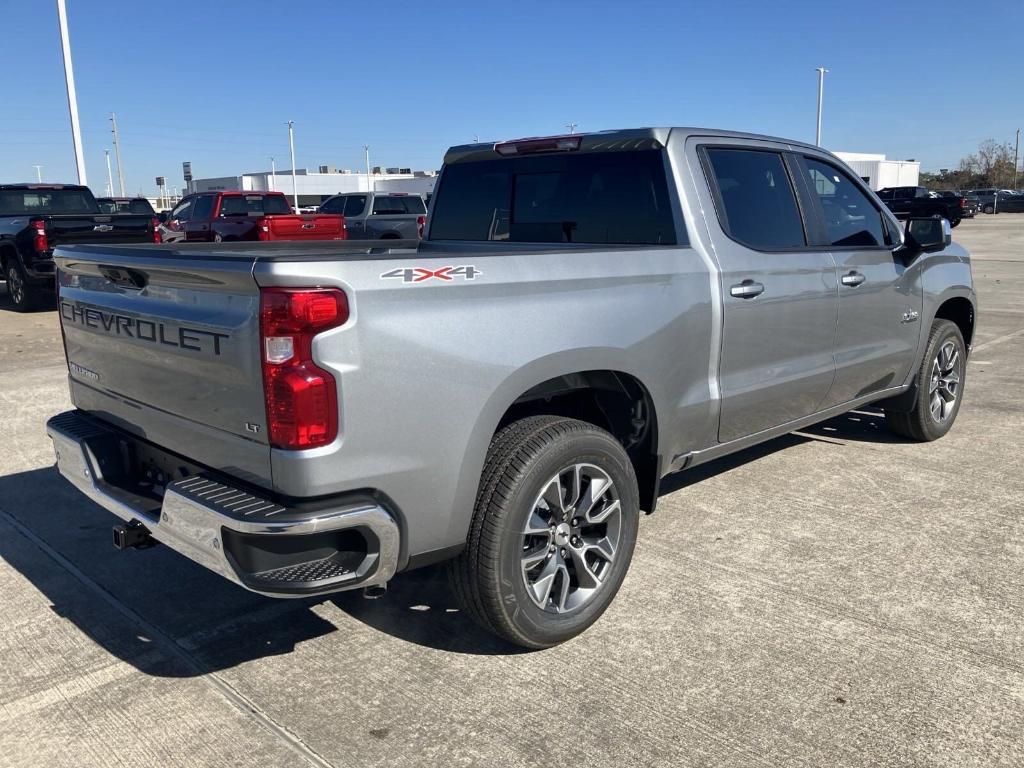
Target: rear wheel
column 940, row 380
column 989, row 208
column 24, row 297
column 553, row 532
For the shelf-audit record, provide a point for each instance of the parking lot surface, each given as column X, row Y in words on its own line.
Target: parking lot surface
column 834, row 597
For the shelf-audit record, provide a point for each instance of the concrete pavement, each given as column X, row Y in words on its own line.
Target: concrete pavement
column 834, row 597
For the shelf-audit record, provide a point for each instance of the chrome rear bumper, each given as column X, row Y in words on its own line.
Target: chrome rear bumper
column 231, row 531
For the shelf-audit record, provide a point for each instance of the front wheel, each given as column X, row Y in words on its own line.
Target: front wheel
column 940, row 386
column 552, row 534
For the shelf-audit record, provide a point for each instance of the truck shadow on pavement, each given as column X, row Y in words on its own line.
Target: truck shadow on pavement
column 60, row 542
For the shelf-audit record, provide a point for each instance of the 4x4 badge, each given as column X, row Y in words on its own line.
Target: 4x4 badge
column 422, row 274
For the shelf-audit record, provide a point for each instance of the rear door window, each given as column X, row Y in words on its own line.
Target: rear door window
column 756, row 203
column 850, row 217
column 333, row 205
column 354, row 205
column 588, row 197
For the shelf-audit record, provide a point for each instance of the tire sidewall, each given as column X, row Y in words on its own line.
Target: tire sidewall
column 16, row 275
column 949, row 331
column 541, row 627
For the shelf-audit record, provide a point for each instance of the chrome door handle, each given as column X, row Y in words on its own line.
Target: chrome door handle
column 853, row 279
column 748, row 289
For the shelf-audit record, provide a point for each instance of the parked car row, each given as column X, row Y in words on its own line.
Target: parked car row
column 237, row 216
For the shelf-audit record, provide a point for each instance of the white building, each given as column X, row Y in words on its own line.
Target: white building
column 879, row 172
column 314, row 188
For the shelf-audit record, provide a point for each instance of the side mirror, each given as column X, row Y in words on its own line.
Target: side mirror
column 928, row 235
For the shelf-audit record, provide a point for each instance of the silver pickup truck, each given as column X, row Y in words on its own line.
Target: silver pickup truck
column 379, row 215
column 586, row 315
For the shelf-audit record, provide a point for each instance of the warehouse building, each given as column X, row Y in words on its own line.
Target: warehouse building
column 314, row 188
column 879, row 172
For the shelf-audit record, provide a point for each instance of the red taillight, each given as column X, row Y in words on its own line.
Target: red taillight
column 155, row 224
column 263, row 228
column 39, row 241
column 421, row 223
column 301, row 397
column 546, row 144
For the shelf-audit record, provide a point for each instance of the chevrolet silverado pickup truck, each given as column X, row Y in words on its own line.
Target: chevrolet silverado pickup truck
column 34, row 218
column 235, row 216
column 585, row 315
column 379, row 215
column 906, row 202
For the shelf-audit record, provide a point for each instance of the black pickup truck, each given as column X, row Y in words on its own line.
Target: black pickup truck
column 907, row 202
column 34, row 218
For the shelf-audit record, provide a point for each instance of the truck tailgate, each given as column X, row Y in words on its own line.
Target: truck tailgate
column 319, row 226
column 114, row 228
column 166, row 346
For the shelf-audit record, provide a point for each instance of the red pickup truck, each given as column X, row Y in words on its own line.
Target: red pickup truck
column 232, row 216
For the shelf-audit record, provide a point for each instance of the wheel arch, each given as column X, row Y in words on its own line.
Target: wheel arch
column 561, row 384
column 958, row 310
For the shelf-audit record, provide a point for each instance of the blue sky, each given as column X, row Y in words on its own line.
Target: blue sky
column 214, row 82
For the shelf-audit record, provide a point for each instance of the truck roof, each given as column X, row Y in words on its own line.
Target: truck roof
column 609, row 141
column 37, row 185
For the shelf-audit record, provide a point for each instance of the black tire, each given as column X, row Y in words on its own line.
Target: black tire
column 218, row 238
column 24, row 297
column 488, row 577
column 920, row 423
column 989, row 208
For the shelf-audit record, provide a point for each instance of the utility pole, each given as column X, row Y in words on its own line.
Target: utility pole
column 1016, row 149
column 117, row 153
column 821, row 97
column 295, row 183
column 273, row 175
column 110, row 176
column 39, row 173
column 69, row 80
column 366, row 150
column 572, row 128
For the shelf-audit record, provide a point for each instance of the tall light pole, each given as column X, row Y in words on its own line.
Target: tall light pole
column 821, row 98
column 273, row 175
column 572, row 128
column 39, row 173
column 110, row 176
column 1016, row 149
column 295, row 182
column 366, row 150
column 117, row 153
column 69, row 79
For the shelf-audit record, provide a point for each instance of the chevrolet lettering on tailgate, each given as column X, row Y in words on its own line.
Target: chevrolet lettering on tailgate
column 151, row 331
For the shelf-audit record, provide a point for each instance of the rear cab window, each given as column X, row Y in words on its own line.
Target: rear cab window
column 19, row 202
column 254, row 205
column 587, row 197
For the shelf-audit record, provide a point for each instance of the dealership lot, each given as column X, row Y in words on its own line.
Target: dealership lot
column 836, row 597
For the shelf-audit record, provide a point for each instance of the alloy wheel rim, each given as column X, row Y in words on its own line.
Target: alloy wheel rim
column 571, row 538
column 15, row 286
column 944, row 386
